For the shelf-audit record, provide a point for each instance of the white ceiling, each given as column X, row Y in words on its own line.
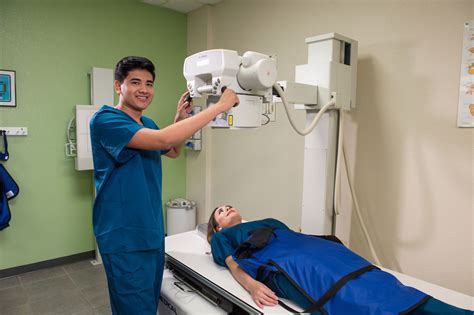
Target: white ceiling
column 183, row 6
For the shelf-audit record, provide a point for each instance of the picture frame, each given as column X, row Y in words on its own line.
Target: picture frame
column 7, row 88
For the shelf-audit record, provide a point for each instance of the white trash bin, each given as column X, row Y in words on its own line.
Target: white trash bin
column 180, row 216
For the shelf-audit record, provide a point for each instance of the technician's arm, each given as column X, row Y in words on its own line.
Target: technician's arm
column 174, row 151
column 166, row 138
column 261, row 294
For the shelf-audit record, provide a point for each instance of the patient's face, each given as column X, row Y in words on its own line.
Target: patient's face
column 227, row 216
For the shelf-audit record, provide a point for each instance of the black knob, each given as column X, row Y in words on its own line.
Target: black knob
column 188, row 99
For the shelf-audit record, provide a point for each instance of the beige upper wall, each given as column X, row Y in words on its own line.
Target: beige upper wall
column 411, row 165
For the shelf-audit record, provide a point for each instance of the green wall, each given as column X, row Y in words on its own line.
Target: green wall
column 52, row 45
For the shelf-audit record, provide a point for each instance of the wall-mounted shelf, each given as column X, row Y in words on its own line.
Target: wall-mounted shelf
column 15, row 131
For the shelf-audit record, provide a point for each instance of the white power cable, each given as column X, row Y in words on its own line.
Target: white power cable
column 341, row 153
column 337, row 184
column 316, row 119
column 359, row 216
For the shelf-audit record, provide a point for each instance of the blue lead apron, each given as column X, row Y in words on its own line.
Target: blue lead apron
column 8, row 190
column 334, row 279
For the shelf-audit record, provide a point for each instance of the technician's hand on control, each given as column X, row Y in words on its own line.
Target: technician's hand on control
column 184, row 108
column 262, row 295
column 228, row 99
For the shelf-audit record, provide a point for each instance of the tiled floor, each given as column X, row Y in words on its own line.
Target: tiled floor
column 78, row 288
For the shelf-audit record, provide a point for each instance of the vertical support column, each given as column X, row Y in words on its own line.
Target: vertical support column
column 317, row 215
column 319, row 175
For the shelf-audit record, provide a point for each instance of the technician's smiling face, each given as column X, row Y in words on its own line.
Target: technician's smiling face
column 137, row 90
column 227, row 216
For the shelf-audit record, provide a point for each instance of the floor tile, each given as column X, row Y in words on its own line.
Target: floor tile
column 24, row 309
column 97, row 295
column 89, row 311
column 89, row 277
column 64, row 303
column 9, row 282
column 49, row 288
column 103, row 310
column 74, row 289
column 12, row 297
column 31, row 277
column 81, row 265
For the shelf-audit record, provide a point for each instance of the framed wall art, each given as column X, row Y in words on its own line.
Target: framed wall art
column 7, row 88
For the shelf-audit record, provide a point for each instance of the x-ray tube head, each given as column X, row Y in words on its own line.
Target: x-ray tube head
column 250, row 76
column 208, row 71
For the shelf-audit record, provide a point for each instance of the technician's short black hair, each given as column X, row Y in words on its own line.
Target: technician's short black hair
column 127, row 64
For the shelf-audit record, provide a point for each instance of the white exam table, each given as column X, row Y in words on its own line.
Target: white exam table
column 188, row 255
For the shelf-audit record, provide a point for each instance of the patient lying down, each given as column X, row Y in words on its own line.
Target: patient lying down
column 318, row 273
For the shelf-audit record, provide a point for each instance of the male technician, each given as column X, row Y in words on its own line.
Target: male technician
column 128, row 218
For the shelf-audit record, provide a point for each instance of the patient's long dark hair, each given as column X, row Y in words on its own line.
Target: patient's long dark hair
column 212, row 226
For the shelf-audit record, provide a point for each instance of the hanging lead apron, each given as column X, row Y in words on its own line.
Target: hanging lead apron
column 8, row 190
column 5, row 214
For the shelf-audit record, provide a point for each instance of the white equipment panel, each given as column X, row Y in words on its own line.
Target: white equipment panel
column 102, row 88
column 102, row 93
column 84, row 149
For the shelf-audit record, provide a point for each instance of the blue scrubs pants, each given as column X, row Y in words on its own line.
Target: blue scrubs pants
column 134, row 281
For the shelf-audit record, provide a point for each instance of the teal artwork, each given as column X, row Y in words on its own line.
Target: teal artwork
column 5, row 88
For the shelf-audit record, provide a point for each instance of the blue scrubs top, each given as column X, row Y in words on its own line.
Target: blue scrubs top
column 225, row 242
column 128, row 212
